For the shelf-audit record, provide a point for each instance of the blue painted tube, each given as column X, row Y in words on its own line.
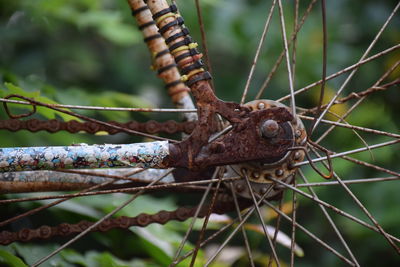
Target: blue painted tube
column 141, row 155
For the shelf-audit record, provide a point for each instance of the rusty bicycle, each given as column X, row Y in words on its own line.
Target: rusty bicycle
column 236, row 160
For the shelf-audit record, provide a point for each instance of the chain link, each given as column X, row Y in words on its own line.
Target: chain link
column 222, row 206
column 52, row 126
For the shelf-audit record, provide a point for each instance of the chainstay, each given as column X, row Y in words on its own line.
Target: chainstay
column 222, row 206
column 73, row 126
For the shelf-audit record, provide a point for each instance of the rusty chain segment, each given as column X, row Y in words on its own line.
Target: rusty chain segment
column 52, row 126
column 222, row 206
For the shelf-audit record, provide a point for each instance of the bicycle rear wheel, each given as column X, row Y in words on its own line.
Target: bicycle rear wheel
column 347, row 170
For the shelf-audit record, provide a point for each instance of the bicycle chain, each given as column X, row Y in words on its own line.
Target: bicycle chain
column 222, row 206
column 73, row 126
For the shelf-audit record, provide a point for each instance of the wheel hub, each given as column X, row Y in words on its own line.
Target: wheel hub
column 260, row 173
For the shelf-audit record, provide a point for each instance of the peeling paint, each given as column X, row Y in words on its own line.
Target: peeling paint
column 141, row 155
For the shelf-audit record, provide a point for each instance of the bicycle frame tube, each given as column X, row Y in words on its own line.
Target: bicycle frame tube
column 45, row 181
column 141, row 155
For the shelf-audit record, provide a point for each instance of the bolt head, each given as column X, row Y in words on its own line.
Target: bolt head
column 256, row 175
column 269, row 128
column 279, row 172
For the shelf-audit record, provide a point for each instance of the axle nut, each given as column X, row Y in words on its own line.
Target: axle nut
column 269, row 128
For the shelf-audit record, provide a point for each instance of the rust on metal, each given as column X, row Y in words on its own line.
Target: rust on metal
column 222, row 206
column 73, row 126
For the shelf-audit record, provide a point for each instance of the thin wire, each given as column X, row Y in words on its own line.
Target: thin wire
column 255, row 60
column 355, row 181
column 289, row 70
column 335, row 209
column 319, row 241
column 190, row 228
column 274, row 254
column 245, row 238
column 161, row 186
column 359, row 101
column 324, row 54
column 278, row 223
column 174, row 110
column 280, row 58
column 362, row 207
column 203, row 228
column 353, row 127
column 294, row 211
column 34, row 102
column 338, row 73
column 355, row 70
column 87, row 230
column 204, row 40
column 341, row 154
column 246, row 216
column 331, row 222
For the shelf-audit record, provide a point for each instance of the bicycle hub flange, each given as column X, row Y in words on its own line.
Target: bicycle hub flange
column 260, row 173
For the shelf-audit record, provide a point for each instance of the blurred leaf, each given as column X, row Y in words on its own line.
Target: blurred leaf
column 93, row 258
column 46, row 112
column 8, row 259
column 32, row 253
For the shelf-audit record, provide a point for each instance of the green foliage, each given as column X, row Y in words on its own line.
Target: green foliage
column 8, row 259
column 89, row 52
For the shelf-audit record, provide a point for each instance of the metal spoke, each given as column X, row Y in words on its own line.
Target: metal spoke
column 335, row 209
column 280, row 58
column 190, row 228
column 331, row 222
column 324, row 56
column 355, row 70
column 112, row 126
column 341, row 154
column 255, row 60
column 278, row 223
column 204, row 39
column 353, row 95
column 352, row 67
column 245, row 239
column 289, row 70
column 87, row 230
column 161, row 186
column 314, row 237
column 54, row 203
column 294, row 49
column 355, row 181
column 245, row 217
column 293, row 221
column 362, row 98
column 274, row 254
column 363, row 208
column 172, row 110
column 353, row 127
column 207, row 217
column 214, row 235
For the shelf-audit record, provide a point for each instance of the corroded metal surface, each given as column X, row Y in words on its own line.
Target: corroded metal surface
column 260, row 173
column 222, row 206
column 52, row 126
column 143, row 155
